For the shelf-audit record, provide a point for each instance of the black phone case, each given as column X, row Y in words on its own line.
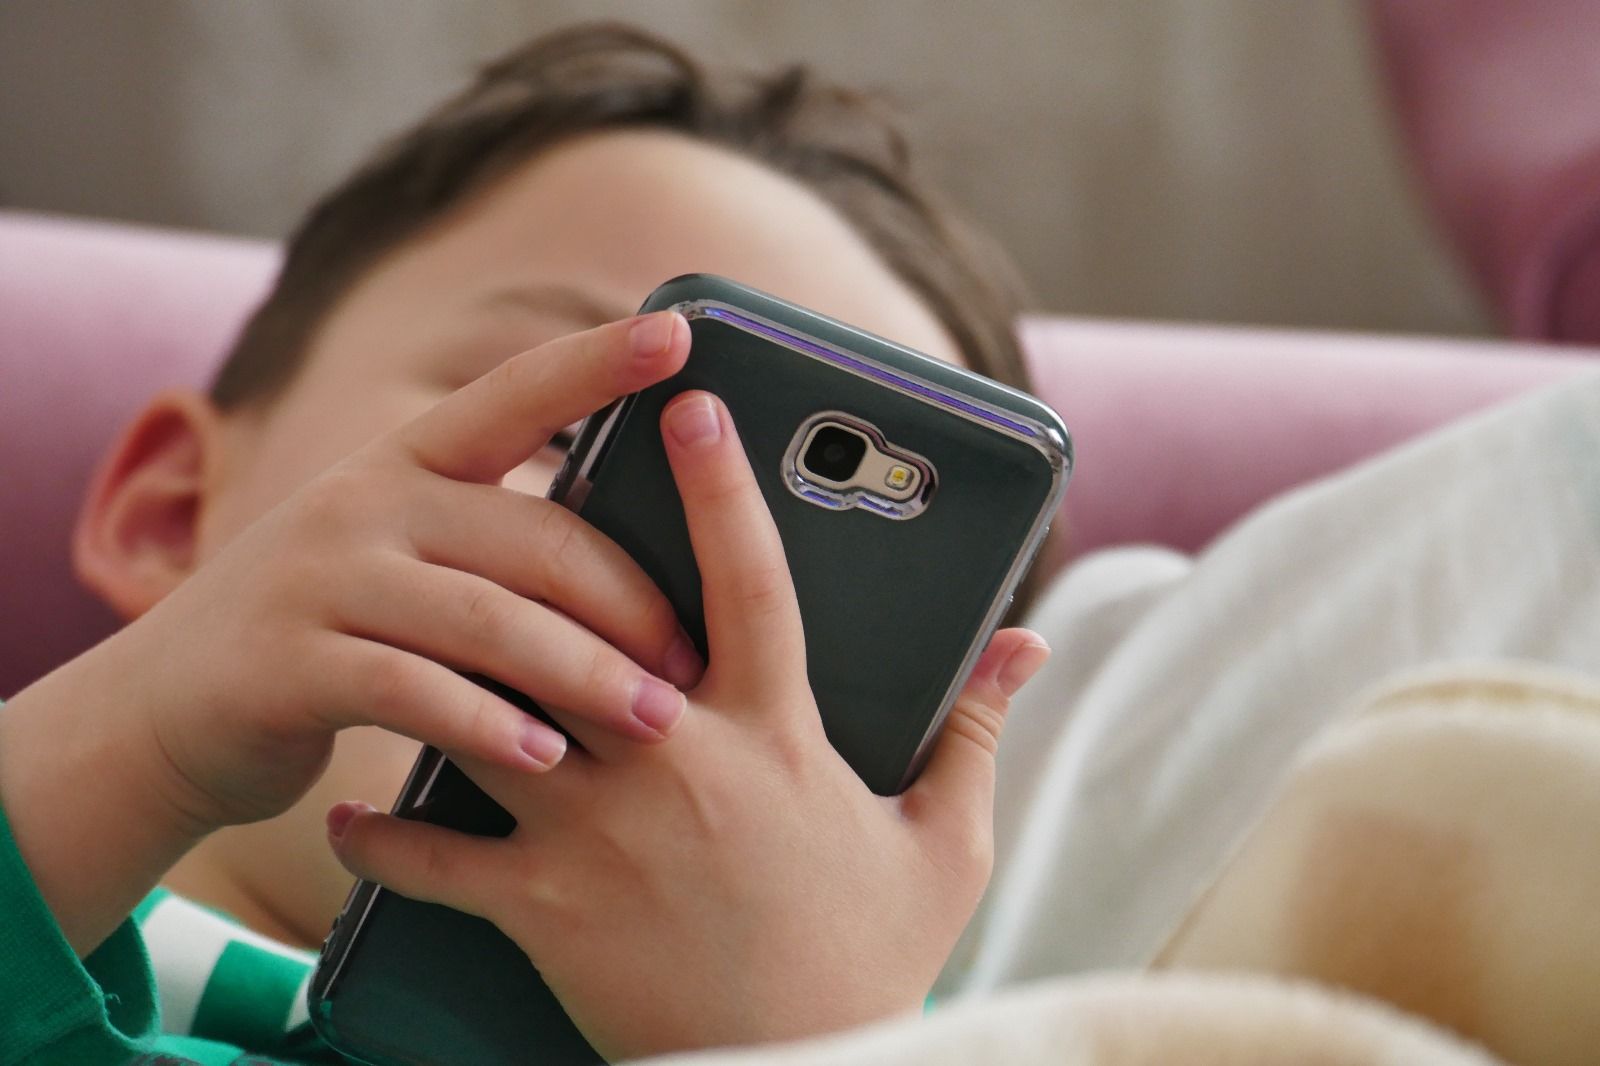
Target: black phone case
column 895, row 612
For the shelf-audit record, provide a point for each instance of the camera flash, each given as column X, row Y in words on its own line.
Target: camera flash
column 898, row 477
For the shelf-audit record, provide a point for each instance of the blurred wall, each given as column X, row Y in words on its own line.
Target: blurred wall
column 1226, row 160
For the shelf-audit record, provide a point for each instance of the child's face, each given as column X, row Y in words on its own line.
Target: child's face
column 578, row 236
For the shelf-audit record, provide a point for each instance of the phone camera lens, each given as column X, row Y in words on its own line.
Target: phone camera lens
column 834, row 453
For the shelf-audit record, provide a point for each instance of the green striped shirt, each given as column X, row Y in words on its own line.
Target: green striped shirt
column 218, row 980
column 175, row 984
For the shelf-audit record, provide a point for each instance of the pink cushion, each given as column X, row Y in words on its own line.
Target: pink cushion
column 1179, row 430
column 94, row 319
column 1497, row 102
column 1182, row 429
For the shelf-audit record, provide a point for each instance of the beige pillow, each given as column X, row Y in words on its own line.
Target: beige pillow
column 1439, row 850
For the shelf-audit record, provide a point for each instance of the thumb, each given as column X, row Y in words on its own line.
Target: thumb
column 417, row 860
column 959, row 778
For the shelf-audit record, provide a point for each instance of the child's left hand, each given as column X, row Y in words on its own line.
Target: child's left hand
column 740, row 884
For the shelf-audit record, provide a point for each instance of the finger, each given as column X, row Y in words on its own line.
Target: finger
column 417, row 698
column 535, row 799
column 542, row 551
column 470, row 623
column 958, row 782
column 753, row 628
column 419, row 861
column 481, row 431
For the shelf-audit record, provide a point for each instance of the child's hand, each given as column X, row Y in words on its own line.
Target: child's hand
column 740, row 884
column 349, row 604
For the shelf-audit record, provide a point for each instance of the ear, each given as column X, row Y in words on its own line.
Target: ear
column 137, row 533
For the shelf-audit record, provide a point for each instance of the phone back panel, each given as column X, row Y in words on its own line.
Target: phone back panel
column 891, row 607
column 895, row 612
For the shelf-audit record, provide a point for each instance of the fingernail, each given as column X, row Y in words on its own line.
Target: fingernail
column 542, row 744
column 683, row 665
column 340, row 814
column 657, row 706
column 694, row 421
column 1023, row 664
column 651, row 334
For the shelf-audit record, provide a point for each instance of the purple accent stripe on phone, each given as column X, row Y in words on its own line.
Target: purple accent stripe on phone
column 874, row 505
column 869, row 369
column 826, row 501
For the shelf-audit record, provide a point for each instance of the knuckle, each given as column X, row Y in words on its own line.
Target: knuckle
column 511, row 375
column 490, row 614
column 604, row 676
column 658, row 620
column 300, row 585
column 536, row 879
column 478, row 721
column 971, row 851
column 336, row 503
column 546, row 909
column 794, row 750
column 763, row 588
column 722, row 486
column 392, row 679
column 978, row 724
column 562, row 544
column 434, row 861
column 530, row 373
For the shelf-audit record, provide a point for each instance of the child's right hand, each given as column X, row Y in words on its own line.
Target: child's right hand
column 337, row 608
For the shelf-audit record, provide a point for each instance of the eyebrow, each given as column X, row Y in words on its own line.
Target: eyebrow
column 564, row 300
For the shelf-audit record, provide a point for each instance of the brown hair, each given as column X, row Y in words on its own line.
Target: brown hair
column 836, row 141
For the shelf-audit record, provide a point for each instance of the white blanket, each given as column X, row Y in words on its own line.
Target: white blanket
column 1180, row 690
column 1133, row 1020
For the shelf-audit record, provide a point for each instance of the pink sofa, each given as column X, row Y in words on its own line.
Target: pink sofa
column 1497, row 104
column 1180, row 430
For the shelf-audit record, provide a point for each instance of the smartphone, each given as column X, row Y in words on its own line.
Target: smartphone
column 911, row 496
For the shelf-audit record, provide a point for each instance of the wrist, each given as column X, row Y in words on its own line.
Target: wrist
column 90, row 802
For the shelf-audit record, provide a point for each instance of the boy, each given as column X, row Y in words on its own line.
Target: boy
column 308, row 551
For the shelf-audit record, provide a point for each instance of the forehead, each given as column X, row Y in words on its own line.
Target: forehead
column 613, row 215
